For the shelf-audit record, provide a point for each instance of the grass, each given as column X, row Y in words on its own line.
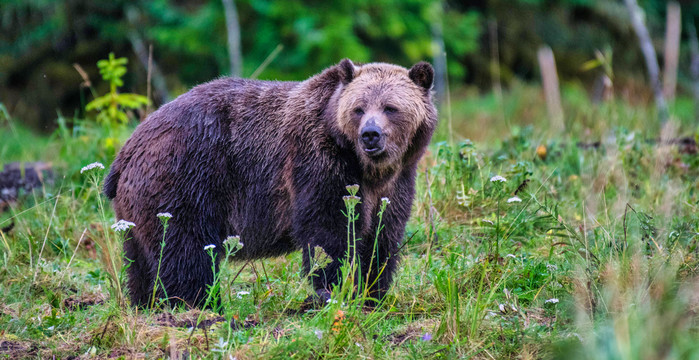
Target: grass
column 597, row 261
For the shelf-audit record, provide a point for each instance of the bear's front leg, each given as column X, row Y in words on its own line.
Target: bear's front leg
column 380, row 255
column 324, row 276
column 318, row 220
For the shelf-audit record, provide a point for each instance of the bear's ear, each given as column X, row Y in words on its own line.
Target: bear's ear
column 422, row 74
column 347, row 70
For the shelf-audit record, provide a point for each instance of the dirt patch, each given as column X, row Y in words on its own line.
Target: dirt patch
column 189, row 320
column 17, row 349
column 186, row 320
column 399, row 337
column 416, row 331
column 8, row 311
column 126, row 353
column 538, row 316
column 16, row 178
column 83, row 301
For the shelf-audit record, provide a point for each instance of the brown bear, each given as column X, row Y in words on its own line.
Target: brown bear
column 269, row 161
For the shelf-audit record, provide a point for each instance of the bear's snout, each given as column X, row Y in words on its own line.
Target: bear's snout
column 372, row 138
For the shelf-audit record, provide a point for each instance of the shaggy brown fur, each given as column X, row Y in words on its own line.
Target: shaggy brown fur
column 269, row 161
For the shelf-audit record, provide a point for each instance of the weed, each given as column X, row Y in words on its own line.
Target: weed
column 164, row 218
column 111, row 105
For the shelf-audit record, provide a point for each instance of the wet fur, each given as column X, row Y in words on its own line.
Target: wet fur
column 268, row 161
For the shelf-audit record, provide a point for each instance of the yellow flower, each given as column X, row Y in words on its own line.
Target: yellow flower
column 541, row 152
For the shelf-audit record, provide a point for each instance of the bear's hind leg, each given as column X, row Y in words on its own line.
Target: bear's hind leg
column 139, row 269
column 186, row 268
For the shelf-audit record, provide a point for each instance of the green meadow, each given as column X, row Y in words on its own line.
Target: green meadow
column 525, row 242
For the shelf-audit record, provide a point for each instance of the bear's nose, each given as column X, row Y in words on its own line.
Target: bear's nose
column 371, row 135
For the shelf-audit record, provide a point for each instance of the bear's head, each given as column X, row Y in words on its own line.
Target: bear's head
column 385, row 112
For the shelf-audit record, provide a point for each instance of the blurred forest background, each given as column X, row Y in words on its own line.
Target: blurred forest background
column 487, row 43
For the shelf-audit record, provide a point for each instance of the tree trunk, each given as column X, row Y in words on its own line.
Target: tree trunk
column 144, row 57
column 440, row 60
column 549, row 77
column 494, row 58
column 673, row 29
column 694, row 65
column 233, row 30
column 139, row 48
column 636, row 14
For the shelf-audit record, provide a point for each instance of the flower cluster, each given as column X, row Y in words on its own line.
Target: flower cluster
column 94, row 165
column 352, row 189
column 351, row 200
column 497, row 178
column 210, row 246
column 514, row 199
column 122, row 225
column 164, row 216
column 233, row 241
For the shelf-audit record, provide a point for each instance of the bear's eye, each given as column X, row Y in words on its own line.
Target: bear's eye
column 359, row 111
column 390, row 110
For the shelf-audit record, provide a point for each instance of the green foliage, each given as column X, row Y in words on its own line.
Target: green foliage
column 112, row 106
column 190, row 42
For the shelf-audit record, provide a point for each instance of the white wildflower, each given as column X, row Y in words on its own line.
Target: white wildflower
column 210, row 246
column 497, row 178
column 504, row 309
column 94, row 165
column 240, row 294
column 511, row 256
column 319, row 334
column 333, row 301
column 122, row 225
column 385, row 201
column 551, row 267
column 514, row 199
column 352, row 189
column 164, row 216
column 233, row 241
column 551, row 301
